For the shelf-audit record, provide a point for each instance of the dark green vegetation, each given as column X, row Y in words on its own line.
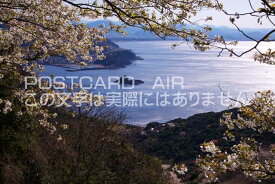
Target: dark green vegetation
column 179, row 140
column 115, row 57
column 99, row 149
column 93, row 149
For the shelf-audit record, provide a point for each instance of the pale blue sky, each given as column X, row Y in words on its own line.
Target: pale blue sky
column 232, row 6
column 239, row 6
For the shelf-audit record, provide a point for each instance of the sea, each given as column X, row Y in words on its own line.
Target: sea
column 178, row 82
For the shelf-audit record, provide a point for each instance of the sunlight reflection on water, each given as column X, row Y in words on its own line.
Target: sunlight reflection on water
column 202, row 72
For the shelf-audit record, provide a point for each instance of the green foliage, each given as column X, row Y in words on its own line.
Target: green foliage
column 91, row 150
column 249, row 154
column 180, row 142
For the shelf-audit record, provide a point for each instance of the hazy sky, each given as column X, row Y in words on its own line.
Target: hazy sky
column 232, row 6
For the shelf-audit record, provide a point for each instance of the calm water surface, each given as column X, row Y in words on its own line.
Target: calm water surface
column 204, row 73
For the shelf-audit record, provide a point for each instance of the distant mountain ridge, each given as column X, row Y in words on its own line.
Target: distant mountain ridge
column 139, row 34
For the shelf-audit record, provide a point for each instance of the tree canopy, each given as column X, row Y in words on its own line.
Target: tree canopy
column 37, row 29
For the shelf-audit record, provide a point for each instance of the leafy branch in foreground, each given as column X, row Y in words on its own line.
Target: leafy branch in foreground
column 267, row 12
column 37, row 29
column 248, row 155
column 32, row 30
